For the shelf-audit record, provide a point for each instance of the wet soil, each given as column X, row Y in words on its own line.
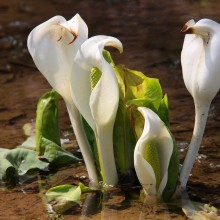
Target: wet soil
column 150, row 33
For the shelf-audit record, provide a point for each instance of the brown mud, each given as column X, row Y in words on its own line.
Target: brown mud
column 150, row 33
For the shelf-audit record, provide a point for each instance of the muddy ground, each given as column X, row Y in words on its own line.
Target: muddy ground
column 150, row 33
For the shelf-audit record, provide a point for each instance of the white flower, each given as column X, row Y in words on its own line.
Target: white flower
column 152, row 155
column 53, row 46
column 201, row 73
column 200, row 59
column 98, row 106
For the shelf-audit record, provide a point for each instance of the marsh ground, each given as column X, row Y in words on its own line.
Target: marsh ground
column 150, row 33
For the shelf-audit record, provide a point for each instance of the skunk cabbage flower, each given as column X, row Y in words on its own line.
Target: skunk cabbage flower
column 201, row 73
column 98, row 105
column 53, row 46
column 152, row 155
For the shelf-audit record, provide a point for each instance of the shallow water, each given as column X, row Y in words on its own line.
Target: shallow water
column 150, row 33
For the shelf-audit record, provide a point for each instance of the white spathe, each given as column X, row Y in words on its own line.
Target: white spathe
column 200, row 59
column 201, row 73
column 98, row 106
column 154, row 131
column 50, row 47
column 53, row 46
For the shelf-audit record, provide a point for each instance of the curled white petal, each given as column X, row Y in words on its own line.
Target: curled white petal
column 49, row 47
column 200, row 59
column 105, row 94
column 154, row 131
column 53, row 45
column 98, row 106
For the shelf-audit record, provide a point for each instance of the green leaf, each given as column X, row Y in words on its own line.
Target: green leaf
column 18, row 161
column 85, row 189
column 108, row 57
column 66, row 196
column 47, row 120
column 135, row 89
column 55, row 155
column 163, row 111
column 123, row 138
column 64, row 192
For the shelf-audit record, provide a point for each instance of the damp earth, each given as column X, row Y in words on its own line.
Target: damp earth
column 150, row 33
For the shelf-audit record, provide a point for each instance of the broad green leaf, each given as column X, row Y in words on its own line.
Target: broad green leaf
column 64, row 192
column 47, row 120
column 135, row 89
column 55, row 155
column 19, row 161
column 66, row 196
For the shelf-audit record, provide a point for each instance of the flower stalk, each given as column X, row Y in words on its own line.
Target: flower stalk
column 200, row 65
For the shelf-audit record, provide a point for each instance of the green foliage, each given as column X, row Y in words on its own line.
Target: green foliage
column 18, row 162
column 47, row 125
column 66, row 196
column 55, row 155
column 135, row 89
column 48, row 143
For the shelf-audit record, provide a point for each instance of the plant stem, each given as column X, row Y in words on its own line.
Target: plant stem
column 83, row 143
column 201, row 114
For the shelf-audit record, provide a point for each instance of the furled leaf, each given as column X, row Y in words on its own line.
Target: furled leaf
column 48, row 144
column 47, row 120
